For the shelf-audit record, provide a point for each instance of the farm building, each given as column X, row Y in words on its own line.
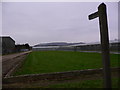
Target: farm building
column 113, row 46
column 0, row 46
column 22, row 47
column 45, row 48
column 96, row 46
column 8, row 44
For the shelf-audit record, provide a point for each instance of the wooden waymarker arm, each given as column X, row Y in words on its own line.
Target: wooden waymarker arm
column 94, row 15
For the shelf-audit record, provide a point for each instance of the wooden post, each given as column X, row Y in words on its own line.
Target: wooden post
column 104, row 42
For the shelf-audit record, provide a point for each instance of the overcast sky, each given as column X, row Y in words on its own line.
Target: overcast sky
column 40, row 22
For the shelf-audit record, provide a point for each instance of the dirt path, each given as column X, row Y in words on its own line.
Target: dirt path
column 45, row 83
column 7, row 57
column 9, row 61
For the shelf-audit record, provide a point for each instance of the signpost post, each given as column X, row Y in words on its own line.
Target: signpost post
column 104, row 42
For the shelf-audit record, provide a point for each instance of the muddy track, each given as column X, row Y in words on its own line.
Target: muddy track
column 10, row 61
column 45, row 83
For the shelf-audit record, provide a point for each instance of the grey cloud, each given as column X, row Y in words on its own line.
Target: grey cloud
column 47, row 22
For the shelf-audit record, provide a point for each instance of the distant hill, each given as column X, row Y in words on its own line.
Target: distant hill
column 57, row 44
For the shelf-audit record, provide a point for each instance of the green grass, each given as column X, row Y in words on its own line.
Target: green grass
column 59, row 61
column 84, row 84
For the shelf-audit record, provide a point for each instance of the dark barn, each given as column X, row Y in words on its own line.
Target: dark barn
column 8, row 44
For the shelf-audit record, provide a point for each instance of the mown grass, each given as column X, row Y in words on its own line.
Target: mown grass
column 59, row 61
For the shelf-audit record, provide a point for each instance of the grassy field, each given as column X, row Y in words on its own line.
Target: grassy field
column 59, row 61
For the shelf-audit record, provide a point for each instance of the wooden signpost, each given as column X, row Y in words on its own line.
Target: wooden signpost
column 104, row 42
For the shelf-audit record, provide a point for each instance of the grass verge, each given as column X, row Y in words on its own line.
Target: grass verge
column 59, row 61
